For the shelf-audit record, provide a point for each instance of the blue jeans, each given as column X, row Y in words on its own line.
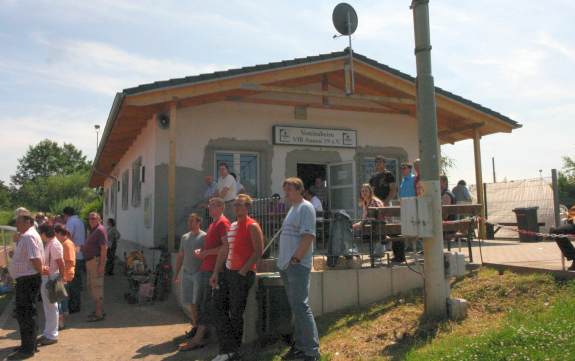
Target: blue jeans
column 63, row 306
column 296, row 279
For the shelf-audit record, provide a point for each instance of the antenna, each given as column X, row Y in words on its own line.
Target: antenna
column 345, row 21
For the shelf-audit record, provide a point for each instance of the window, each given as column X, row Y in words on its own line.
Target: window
column 136, row 183
column 368, row 168
column 244, row 165
column 125, row 185
column 113, row 199
column 106, row 201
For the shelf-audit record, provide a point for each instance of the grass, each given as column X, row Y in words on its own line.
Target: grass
column 511, row 317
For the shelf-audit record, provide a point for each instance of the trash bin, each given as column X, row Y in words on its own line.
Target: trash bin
column 527, row 221
column 489, row 231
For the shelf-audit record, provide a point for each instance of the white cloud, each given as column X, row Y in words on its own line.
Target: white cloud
column 99, row 67
column 547, row 40
column 59, row 124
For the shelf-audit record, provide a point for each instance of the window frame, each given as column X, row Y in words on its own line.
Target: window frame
column 397, row 173
column 136, row 199
column 125, row 189
column 237, row 163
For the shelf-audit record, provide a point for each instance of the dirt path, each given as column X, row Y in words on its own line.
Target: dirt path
column 128, row 332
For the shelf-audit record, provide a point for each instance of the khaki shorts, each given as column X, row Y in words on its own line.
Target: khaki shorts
column 95, row 282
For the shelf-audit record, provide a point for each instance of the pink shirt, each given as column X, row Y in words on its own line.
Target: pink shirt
column 53, row 251
column 29, row 247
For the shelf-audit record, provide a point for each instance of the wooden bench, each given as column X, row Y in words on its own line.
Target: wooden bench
column 461, row 229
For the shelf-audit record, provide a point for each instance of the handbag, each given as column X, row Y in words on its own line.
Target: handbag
column 56, row 289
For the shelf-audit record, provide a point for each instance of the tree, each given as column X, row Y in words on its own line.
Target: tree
column 5, row 196
column 566, row 182
column 445, row 163
column 47, row 194
column 46, row 159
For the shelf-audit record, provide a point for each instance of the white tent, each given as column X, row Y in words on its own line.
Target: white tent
column 503, row 197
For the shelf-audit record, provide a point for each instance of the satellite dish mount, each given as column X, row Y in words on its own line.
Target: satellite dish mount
column 345, row 21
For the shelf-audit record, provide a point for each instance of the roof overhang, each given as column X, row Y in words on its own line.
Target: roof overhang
column 458, row 118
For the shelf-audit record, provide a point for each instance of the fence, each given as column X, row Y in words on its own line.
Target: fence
column 503, row 197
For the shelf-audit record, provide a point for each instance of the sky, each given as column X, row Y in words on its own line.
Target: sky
column 62, row 62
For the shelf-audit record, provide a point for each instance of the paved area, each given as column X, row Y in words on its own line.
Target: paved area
column 129, row 332
column 146, row 331
column 541, row 255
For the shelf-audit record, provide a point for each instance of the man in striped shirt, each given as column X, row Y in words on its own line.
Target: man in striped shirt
column 240, row 252
column 26, row 269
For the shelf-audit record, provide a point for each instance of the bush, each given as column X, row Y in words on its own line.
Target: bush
column 75, row 202
column 6, row 218
column 43, row 194
column 93, row 206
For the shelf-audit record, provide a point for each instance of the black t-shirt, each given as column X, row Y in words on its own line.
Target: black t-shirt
column 380, row 184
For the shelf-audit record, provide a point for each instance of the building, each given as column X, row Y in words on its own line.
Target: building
column 268, row 122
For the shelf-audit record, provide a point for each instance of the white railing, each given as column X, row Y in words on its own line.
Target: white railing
column 269, row 213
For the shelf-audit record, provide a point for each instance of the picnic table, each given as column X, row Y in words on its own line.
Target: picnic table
column 462, row 228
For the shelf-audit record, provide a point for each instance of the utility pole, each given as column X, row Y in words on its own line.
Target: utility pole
column 555, row 186
column 493, row 165
column 436, row 286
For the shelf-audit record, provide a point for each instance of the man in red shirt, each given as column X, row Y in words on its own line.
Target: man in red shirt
column 241, row 252
column 215, row 237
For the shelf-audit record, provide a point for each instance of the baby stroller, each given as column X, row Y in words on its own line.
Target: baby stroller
column 141, row 289
column 341, row 242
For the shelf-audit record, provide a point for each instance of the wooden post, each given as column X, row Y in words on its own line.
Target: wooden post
column 172, row 179
column 479, row 180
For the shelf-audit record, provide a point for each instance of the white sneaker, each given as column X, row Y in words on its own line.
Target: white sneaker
column 223, row 357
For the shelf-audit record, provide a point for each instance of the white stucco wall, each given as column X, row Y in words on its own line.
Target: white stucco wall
column 196, row 126
column 130, row 222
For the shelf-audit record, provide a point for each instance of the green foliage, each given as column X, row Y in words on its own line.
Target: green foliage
column 5, row 196
column 75, row 202
column 46, row 159
column 566, row 182
column 6, row 218
column 543, row 333
column 44, row 194
column 569, row 166
column 445, row 164
column 93, row 206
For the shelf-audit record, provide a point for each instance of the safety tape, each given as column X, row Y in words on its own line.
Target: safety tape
column 514, row 229
column 531, row 233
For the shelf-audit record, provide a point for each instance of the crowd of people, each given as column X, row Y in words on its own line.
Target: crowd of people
column 52, row 251
column 382, row 189
column 217, row 269
column 216, row 266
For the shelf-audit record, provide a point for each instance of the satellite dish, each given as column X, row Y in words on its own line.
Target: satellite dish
column 344, row 19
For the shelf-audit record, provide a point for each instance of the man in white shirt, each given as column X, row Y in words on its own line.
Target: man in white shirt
column 25, row 268
column 227, row 189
